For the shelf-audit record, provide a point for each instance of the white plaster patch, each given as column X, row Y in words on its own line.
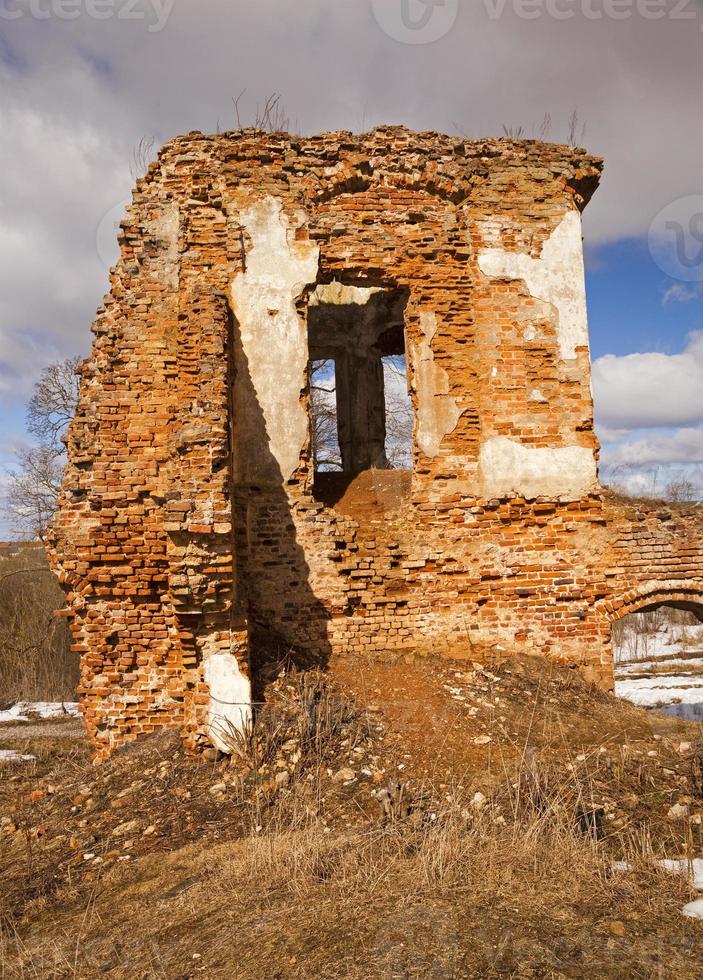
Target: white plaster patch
column 273, row 336
column 338, row 294
column 556, row 277
column 437, row 410
column 230, row 697
column 505, row 466
column 536, row 396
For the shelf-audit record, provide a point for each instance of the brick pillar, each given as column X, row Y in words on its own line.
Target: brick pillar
column 361, row 410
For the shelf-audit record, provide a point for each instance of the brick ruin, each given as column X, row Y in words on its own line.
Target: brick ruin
column 194, row 538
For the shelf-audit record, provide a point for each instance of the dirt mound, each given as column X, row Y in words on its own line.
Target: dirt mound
column 364, row 496
column 404, row 818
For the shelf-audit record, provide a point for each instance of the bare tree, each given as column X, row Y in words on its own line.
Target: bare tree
column 323, row 406
column 34, row 485
column 53, row 404
column 680, row 490
column 399, row 415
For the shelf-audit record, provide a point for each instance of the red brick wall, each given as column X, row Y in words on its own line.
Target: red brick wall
column 163, row 558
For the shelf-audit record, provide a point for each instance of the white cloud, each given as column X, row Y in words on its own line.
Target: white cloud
column 607, row 435
column 649, row 412
column 56, row 179
column 681, row 446
column 651, row 389
column 78, row 94
column 681, row 292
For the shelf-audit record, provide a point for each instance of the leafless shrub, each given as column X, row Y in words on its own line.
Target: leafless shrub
column 35, row 659
column 253, row 746
column 633, row 483
column 545, row 126
column 306, row 710
column 680, row 490
column 514, row 132
column 322, row 712
column 270, row 117
column 141, row 157
column 577, row 130
column 393, row 801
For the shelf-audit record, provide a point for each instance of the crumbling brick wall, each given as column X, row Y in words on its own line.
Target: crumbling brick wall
column 191, row 538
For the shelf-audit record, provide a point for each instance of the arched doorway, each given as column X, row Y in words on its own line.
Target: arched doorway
column 657, row 643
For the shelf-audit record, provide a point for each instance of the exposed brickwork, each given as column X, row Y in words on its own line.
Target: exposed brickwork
column 174, row 548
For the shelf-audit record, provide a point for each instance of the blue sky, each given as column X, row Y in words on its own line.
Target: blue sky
column 627, row 306
column 78, row 92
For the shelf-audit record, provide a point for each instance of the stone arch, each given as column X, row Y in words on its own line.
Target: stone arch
column 685, row 594
column 680, row 594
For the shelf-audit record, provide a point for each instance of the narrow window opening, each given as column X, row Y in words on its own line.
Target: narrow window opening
column 361, row 412
column 399, row 412
column 323, row 407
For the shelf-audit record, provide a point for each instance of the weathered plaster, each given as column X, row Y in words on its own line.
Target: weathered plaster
column 271, row 334
column 505, row 466
column 556, row 277
column 338, row 294
column 229, row 705
column 437, row 410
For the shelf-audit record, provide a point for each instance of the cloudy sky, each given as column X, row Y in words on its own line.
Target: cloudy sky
column 84, row 80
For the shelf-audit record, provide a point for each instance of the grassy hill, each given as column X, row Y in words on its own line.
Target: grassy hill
column 389, row 819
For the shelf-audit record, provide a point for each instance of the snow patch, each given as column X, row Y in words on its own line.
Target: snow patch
column 42, row 710
column 692, row 869
column 694, row 910
column 12, row 755
column 650, row 691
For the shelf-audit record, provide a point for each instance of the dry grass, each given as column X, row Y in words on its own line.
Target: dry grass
column 456, row 896
column 308, row 710
column 519, row 882
column 35, row 661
